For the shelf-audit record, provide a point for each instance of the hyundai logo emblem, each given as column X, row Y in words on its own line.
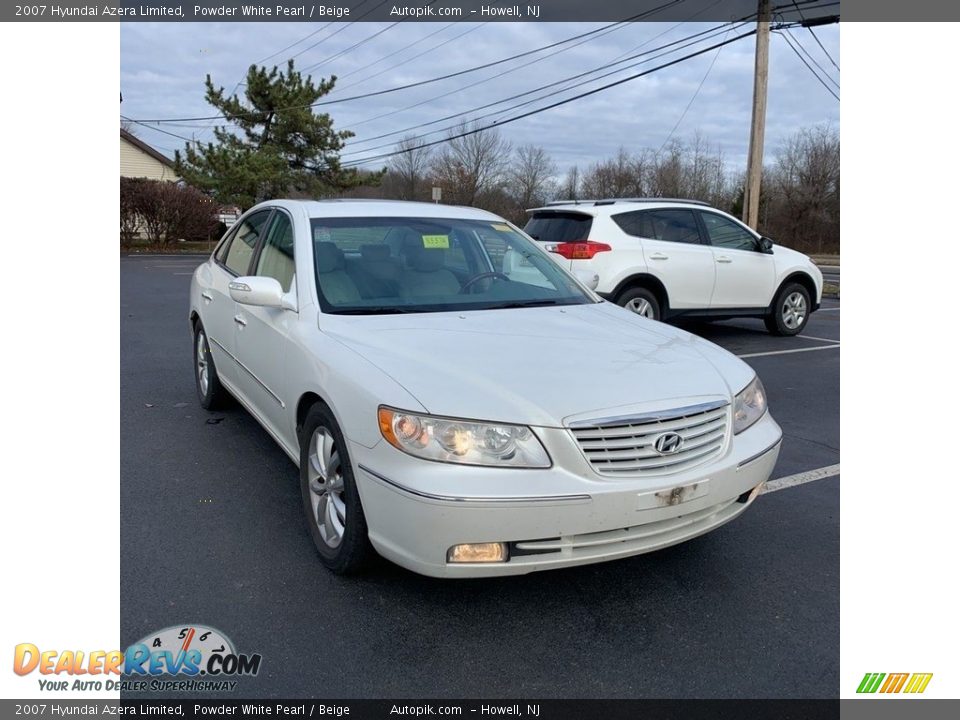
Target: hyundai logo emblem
column 668, row 443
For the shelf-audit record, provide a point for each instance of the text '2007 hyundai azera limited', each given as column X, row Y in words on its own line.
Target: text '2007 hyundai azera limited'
column 462, row 405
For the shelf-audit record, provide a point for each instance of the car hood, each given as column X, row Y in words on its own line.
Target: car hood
column 541, row 366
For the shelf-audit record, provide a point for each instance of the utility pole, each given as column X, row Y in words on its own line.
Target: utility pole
column 751, row 191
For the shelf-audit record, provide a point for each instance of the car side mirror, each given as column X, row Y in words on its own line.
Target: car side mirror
column 259, row 291
column 766, row 245
column 588, row 278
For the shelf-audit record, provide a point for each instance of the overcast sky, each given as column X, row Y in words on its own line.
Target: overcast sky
column 164, row 65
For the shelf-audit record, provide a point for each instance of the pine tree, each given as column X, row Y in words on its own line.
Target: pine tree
column 278, row 146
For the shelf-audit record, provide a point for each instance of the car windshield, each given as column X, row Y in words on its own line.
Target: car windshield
column 395, row 265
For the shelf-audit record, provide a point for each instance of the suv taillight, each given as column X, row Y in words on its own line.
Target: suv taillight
column 580, row 250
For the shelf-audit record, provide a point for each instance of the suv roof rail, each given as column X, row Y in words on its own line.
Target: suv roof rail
column 613, row 201
column 654, row 200
column 569, row 202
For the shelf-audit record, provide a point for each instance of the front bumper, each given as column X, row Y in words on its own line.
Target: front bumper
column 558, row 517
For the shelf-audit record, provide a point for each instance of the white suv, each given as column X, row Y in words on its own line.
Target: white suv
column 665, row 258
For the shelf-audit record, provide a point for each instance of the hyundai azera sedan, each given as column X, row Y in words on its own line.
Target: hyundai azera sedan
column 462, row 405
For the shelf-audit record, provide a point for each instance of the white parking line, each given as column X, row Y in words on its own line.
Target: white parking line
column 795, row 350
column 801, row 478
column 834, row 309
column 811, row 337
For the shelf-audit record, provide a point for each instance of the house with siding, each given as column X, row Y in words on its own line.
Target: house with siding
column 139, row 160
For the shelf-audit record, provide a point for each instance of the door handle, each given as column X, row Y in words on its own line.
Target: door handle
column 206, row 296
column 724, row 259
column 659, row 256
column 238, row 319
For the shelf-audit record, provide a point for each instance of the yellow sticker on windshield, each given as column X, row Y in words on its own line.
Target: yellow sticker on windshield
column 436, row 242
column 501, row 227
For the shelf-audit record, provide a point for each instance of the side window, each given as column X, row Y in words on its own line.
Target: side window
column 634, row 223
column 669, row 225
column 726, row 233
column 244, row 243
column 276, row 257
column 221, row 252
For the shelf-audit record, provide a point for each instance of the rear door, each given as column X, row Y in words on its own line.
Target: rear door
column 674, row 252
column 219, row 311
column 552, row 227
column 746, row 276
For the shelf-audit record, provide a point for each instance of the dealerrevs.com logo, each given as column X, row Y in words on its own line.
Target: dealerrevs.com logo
column 910, row 683
column 186, row 658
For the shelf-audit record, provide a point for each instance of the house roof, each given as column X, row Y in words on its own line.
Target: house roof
column 141, row 145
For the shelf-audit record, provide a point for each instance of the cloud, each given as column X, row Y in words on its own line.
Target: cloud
column 163, row 67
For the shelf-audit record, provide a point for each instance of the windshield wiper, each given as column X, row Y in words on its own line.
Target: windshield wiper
column 375, row 310
column 528, row 303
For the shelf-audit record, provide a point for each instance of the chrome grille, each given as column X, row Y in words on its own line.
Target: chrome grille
column 621, row 446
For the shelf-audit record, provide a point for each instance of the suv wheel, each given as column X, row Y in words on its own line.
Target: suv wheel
column 791, row 310
column 641, row 301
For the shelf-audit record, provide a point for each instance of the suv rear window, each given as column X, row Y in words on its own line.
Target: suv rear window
column 559, row 227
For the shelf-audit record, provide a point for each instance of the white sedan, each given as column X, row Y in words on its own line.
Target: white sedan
column 462, row 405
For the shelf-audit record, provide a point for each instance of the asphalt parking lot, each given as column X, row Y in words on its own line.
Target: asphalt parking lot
column 212, row 533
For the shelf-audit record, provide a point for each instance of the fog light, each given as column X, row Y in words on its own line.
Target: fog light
column 477, row 553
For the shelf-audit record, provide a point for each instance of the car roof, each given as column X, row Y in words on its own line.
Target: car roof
column 611, row 206
column 353, row 207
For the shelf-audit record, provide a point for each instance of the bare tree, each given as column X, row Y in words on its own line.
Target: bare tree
column 570, row 189
column 471, row 165
column 530, row 177
column 410, row 167
column 804, row 191
column 616, row 177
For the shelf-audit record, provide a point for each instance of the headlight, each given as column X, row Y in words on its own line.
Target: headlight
column 749, row 406
column 462, row 441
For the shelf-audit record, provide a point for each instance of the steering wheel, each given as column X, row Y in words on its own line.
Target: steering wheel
column 476, row 278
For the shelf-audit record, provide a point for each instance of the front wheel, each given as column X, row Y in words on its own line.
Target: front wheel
column 331, row 502
column 640, row 301
column 791, row 311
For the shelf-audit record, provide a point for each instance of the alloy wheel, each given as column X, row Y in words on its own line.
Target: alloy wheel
column 641, row 306
column 325, row 475
column 794, row 310
column 203, row 372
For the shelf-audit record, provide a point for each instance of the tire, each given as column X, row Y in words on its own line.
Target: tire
column 328, row 489
column 790, row 311
column 211, row 393
column 640, row 301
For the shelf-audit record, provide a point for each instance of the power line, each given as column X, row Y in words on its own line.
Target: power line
column 809, row 66
column 695, row 94
column 411, row 59
column 537, row 111
column 160, row 130
column 461, row 88
column 338, row 30
column 352, row 47
column 396, row 52
column 810, row 57
column 434, row 79
column 684, row 42
column 806, row 25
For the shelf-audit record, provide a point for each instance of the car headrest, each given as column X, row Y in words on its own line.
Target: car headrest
column 329, row 257
column 424, row 259
column 375, row 252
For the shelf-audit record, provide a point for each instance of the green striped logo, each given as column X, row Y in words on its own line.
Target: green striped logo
column 912, row 683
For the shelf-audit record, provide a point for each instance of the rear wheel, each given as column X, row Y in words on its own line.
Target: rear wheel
column 331, row 502
column 640, row 301
column 791, row 310
column 209, row 390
